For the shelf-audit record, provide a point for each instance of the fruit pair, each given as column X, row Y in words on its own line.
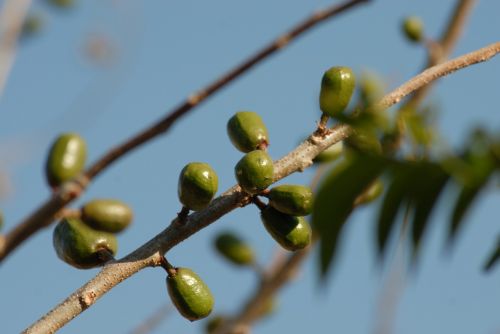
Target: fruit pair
column 248, row 133
column 283, row 217
column 89, row 241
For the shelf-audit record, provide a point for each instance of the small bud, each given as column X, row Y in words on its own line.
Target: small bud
column 413, row 28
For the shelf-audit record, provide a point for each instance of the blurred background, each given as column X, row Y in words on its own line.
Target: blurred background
column 107, row 69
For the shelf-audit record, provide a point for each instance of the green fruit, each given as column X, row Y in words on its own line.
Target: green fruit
column 291, row 232
column 330, row 154
column 215, row 323
column 364, row 142
column 234, row 249
column 291, row 199
column 32, row 24
column 107, row 215
column 79, row 245
column 247, row 131
column 255, row 172
column 190, row 294
column 413, row 28
column 66, row 158
column 337, row 87
column 197, row 185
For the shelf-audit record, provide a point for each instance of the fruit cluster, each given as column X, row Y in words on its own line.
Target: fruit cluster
column 85, row 238
column 88, row 239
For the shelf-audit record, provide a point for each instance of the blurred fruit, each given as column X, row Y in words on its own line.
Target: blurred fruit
column 66, row 158
column 107, row 215
column 234, row 249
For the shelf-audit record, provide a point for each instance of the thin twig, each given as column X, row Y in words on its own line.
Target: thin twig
column 153, row 321
column 44, row 215
column 149, row 255
column 12, row 20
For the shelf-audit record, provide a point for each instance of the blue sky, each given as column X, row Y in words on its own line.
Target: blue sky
column 165, row 50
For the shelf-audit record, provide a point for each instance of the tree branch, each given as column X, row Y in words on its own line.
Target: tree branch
column 44, row 215
column 437, row 72
column 149, row 255
column 11, row 24
column 445, row 44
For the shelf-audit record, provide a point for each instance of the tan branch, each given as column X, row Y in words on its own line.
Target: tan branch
column 445, row 45
column 44, row 215
column 437, row 72
column 11, row 24
column 149, row 254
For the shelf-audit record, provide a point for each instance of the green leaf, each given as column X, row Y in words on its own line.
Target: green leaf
column 397, row 194
column 480, row 168
column 335, row 199
column 429, row 183
column 493, row 258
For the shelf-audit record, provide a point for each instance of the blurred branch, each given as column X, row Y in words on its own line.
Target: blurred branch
column 150, row 254
column 444, row 46
column 152, row 322
column 12, row 19
column 44, row 215
column 280, row 274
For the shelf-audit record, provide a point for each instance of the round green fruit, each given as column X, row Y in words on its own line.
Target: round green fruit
column 255, row 171
column 413, row 28
column 81, row 246
column 247, row 131
column 66, row 158
column 107, row 215
column 234, row 249
column 337, row 87
column 330, row 154
column 291, row 232
column 190, row 294
column 197, row 185
column 291, row 199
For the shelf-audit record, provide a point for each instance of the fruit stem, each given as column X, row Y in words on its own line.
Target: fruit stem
column 322, row 129
column 263, row 145
column 256, row 200
column 170, row 269
column 105, row 255
column 182, row 215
